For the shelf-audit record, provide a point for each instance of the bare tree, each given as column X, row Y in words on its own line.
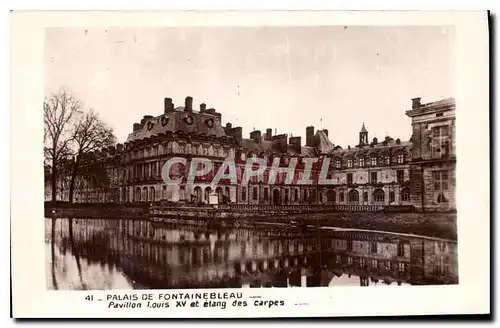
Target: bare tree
column 58, row 110
column 90, row 133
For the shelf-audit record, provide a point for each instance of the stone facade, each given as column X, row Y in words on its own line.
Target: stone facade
column 386, row 172
column 433, row 182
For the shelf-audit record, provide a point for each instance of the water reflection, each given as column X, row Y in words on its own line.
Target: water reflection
column 127, row 254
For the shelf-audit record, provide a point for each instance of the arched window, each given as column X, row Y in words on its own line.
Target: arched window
column 220, row 194
column 392, row 197
column 405, row 195
column 208, row 191
column 353, row 196
column 145, row 194
column 137, row 194
column 441, row 198
column 197, row 194
column 365, row 196
column 378, row 195
column 152, row 197
column 243, row 193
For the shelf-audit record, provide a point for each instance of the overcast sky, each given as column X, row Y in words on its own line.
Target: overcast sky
column 281, row 78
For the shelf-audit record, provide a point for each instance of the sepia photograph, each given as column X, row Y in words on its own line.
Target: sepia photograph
column 260, row 164
column 249, row 157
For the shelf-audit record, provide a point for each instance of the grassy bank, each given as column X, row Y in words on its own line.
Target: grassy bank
column 440, row 225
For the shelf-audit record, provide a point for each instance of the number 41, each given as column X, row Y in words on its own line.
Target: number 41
column 89, row 298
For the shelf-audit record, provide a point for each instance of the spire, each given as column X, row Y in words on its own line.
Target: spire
column 363, row 136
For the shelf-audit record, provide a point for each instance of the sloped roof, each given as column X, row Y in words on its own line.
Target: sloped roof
column 175, row 121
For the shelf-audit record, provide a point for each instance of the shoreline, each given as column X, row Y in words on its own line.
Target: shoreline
column 429, row 225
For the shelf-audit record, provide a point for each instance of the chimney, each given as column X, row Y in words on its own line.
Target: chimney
column 137, row 127
column 237, row 133
column 296, row 142
column 229, row 126
column 269, row 134
column 375, row 141
column 169, row 105
column 415, row 103
column 310, row 136
column 256, row 136
column 188, row 104
column 280, row 142
column 203, row 107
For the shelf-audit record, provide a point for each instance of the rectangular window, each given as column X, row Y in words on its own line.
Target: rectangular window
column 341, row 196
column 266, row 194
column 361, row 162
column 349, row 244
column 401, row 249
column 373, row 177
column 286, row 195
column 374, row 161
column 374, row 247
column 401, row 158
column 296, row 198
column 440, row 179
column 349, row 178
column 254, row 193
column 392, row 197
column 243, row 193
column 440, row 144
column 400, row 175
column 374, row 263
column 338, row 164
column 349, row 163
column 387, row 160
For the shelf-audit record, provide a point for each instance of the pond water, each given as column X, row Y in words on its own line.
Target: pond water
column 91, row 254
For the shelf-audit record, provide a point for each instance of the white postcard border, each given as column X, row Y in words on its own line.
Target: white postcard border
column 30, row 296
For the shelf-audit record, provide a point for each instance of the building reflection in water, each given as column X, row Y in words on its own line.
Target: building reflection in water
column 126, row 254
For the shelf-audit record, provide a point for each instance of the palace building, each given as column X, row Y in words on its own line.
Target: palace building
column 390, row 172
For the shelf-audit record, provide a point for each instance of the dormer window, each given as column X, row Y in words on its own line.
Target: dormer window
column 401, row 158
column 361, row 162
column 387, row 160
column 188, row 119
column 374, row 161
column 349, row 162
column 164, row 121
column 210, row 123
column 338, row 164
